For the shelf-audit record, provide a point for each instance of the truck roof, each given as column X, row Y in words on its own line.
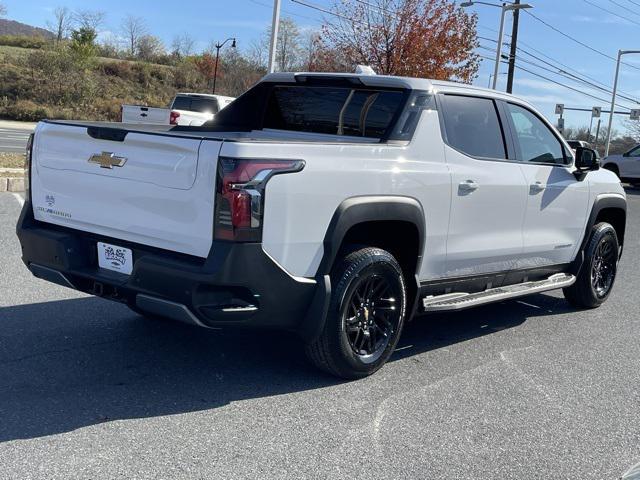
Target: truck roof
column 396, row 81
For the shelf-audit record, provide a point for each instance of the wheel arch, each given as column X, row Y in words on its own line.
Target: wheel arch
column 610, row 208
column 356, row 213
column 353, row 215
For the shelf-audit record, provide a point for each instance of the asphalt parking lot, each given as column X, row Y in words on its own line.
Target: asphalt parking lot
column 518, row 390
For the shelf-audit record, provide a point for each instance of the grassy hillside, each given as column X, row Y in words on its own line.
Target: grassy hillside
column 52, row 83
column 11, row 27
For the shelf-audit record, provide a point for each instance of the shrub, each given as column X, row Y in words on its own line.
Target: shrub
column 25, row 111
column 24, row 41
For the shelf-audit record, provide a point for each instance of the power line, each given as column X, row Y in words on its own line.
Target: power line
column 553, row 81
column 589, row 47
column 635, row 3
column 578, row 78
column 625, row 8
column 288, row 12
column 563, row 75
column 323, row 10
column 556, row 61
column 610, row 12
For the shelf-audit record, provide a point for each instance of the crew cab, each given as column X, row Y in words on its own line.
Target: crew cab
column 335, row 206
column 626, row 166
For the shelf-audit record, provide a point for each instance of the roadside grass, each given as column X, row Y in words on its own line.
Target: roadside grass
column 11, row 160
column 15, row 52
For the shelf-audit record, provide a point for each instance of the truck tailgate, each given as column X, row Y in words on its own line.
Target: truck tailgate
column 145, row 188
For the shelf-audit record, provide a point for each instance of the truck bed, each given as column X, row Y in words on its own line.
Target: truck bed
column 210, row 133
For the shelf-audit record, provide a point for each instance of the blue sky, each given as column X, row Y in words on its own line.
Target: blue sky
column 247, row 20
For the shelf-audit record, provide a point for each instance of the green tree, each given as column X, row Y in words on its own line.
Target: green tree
column 83, row 45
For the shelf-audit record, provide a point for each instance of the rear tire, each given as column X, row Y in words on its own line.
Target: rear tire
column 598, row 273
column 365, row 317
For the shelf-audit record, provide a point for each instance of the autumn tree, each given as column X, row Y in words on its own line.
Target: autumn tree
column 290, row 53
column 633, row 129
column 150, row 47
column 206, row 66
column 133, row 28
column 62, row 23
column 182, row 45
column 415, row 38
column 89, row 19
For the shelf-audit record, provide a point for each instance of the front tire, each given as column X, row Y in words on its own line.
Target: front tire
column 365, row 316
column 598, row 273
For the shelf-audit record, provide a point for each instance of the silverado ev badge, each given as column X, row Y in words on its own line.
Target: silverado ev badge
column 107, row 160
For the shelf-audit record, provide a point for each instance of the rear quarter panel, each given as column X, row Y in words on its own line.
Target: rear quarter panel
column 299, row 207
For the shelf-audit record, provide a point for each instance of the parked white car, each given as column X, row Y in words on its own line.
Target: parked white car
column 336, row 206
column 625, row 166
column 195, row 109
column 190, row 109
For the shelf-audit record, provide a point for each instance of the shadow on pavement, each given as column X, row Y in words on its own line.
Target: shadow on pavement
column 73, row 363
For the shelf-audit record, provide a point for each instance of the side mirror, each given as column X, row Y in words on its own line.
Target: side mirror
column 586, row 159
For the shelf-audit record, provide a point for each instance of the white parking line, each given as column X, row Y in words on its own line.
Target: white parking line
column 19, row 198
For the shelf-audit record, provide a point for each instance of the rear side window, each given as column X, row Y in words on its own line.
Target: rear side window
column 333, row 110
column 195, row 104
column 536, row 141
column 204, row 105
column 181, row 103
column 473, row 127
column 635, row 152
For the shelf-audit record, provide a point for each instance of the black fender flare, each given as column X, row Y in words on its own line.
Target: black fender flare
column 362, row 209
column 351, row 212
column 602, row 201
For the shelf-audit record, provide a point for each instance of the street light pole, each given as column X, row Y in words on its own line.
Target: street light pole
column 505, row 8
column 614, row 94
column 274, row 36
column 499, row 49
column 215, row 70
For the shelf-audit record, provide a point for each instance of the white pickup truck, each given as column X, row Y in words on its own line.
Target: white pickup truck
column 193, row 109
column 336, row 206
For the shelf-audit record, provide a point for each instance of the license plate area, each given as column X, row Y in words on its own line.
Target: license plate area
column 115, row 258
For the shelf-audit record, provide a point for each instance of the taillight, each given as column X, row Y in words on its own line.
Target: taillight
column 173, row 117
column 240, row 191
column 27, row 167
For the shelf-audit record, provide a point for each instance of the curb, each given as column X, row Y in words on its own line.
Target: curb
column 12, row 184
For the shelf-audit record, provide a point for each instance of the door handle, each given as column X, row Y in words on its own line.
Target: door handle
column 467, row 186
column 536, row 188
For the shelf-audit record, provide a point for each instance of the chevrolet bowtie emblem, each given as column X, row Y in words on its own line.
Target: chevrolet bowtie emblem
column 107, row 160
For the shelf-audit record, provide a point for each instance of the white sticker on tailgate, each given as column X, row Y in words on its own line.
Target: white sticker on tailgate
column 115, row 258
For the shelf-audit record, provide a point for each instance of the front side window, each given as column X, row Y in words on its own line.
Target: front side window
column 333, row 110
column 635, row 152
column 536, row 141
column 473, row 127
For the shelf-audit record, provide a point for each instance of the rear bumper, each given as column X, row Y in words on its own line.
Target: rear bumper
column 238, row 284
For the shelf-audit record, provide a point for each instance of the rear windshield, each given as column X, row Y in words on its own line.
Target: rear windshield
column 330, row 107
column 332, row 110
column 195, row 104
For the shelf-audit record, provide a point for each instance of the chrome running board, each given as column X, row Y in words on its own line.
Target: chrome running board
column 461, row 300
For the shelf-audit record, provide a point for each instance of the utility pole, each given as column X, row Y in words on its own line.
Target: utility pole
column 613, row 96
column 514, row 46
column 274, row 36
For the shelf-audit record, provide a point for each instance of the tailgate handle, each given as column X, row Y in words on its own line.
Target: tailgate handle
column 103, row 133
